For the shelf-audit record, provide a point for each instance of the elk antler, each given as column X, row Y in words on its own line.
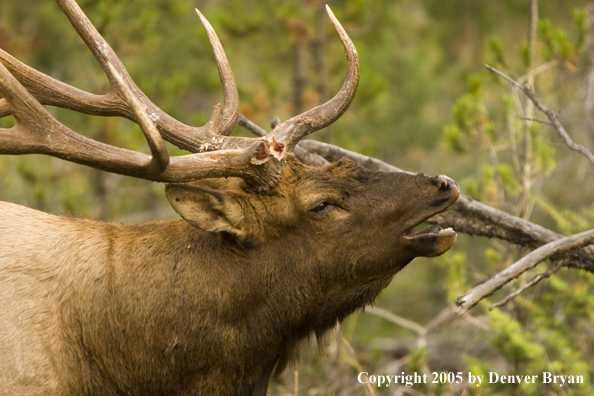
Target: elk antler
column 294, row 129
column 217, row 154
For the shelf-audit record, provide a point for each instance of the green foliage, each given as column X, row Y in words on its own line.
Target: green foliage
column 545, row 336
column 457, row 282
column 421, row 65
column 557, row 42
column 508, row 179
column 545, row 29
column 540, row 331
column 580, row 18
column 454, row 138
column 471, row 117
column 525, row 54
column 495, row 48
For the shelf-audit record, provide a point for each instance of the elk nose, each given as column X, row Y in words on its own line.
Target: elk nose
column 443, row 183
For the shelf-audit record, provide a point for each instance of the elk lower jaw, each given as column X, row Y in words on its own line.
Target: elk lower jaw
column 431, row 242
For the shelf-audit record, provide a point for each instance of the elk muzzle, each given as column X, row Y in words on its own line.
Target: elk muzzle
column 434, row 241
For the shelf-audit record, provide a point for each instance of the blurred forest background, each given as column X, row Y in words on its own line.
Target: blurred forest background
column 425, row 103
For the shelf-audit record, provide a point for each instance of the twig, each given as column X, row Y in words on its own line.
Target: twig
column 509, row 79
column 296, row 383
column 397, row 320
column 274, row 122
column 476, row 322
column 549, row 113
column 558, row 126
column 470, row 299
column 525, row 204
column 422, row 331
column 533, row 282
column 251, row 126
column 439, row 319
column 353, row 362
column 536, row 120
column 538, row 70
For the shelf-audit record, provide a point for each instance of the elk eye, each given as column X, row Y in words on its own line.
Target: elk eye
column 322, row 207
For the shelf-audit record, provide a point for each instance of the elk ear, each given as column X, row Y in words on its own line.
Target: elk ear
column 208, row 210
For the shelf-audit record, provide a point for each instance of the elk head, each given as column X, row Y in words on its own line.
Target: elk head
column 338, row 200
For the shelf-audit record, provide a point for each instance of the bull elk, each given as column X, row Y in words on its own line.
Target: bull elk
column 269, row 250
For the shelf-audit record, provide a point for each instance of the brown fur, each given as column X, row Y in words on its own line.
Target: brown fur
column 165, row 308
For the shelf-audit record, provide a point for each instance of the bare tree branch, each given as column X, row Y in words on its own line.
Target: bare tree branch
column 251, row 126
column 472, row 217
column 334, row 153
column 422, row 331
column 397, row 320
column 536, row 120
column 558, row 126
column 470, row 299
column 530, row 94
column 505, row 76
column 528, row 285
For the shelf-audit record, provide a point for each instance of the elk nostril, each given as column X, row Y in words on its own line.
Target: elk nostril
column 442, row 183
column 445, row 186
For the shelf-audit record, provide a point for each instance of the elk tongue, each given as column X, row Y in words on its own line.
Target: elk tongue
column 432, row 241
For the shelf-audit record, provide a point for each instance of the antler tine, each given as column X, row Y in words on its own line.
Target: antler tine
column 290, row 132
column 153, row 137
column 230, row 110
column 54, row 92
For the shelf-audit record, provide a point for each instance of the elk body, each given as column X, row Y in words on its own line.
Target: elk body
column 269, row 250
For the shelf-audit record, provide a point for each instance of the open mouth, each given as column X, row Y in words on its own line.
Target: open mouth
column 432, row 231
column 432, row 241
